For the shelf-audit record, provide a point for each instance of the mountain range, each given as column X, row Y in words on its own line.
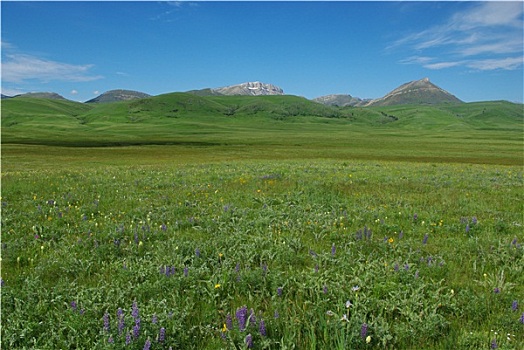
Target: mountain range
column 415, row 92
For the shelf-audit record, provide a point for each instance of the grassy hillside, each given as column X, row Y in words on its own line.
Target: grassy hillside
column 480, row 132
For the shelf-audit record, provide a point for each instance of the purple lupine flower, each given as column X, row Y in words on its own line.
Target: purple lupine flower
column 425, row 240
column 162, row 335
column 368, row 233
column 237, row 268
column 514, row 241
column 333, row 249
column 522, row 318
column 252, row 318
column 111, row 340
column 514, row 305
column 494, row 344
column 197, row 253
column 474, row 220
column 229, row 321
column 162, row 270
column 147, row 345
column 163, row 227
column 406, row 267
column 262, row 328
column 416, row 274
column 264, row 268
column 186, row 271
column 415, row 217
column 241, row 316
column 2, row 282
column 401, row 235
column 364, row 330
column 128, row 338
column 279, row 291
column 172, row 270
column 74, row 305
column 249, row 341
column 121, row 324
column 396, row 267
column 316, row 268
column 106, row 321
column 467, row 228
column 325, row 289
column 496, row 290
column 277, row 315
column 154, row 319
column 134, row 310
column 136, row 328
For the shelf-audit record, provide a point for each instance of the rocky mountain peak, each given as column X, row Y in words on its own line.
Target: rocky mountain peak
column 255, row 88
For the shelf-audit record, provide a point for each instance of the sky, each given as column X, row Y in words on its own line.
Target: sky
column 474, row 50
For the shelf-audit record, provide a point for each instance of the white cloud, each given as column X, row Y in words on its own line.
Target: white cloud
column 96, row 92
column 74, row 92
column 17, row 68
column 486, row 36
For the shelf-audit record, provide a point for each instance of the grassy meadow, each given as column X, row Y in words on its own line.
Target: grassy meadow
column 268, row 226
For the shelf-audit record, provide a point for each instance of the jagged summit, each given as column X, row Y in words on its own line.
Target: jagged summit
column 415, row 92
column 118, row 95
column 255, row 88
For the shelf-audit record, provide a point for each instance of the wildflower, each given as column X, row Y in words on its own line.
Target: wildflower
column 474, row 220
column 415, row 217
column 163, row 227
column 106, row 322
column 279, row 291
column 368, row 339
column 330, row 313
column 364, row 330
column 262, row 328
column 425, row 240
column 147, row 345
column 197, row 253
column 494, row 344
column 252, row 318
column 134, row 310
column 514, row 305
column 521, row 320
column 396, row 267
column 391, row 240
column 277, row 315
column 401, row 235
column 249, row 341
column 73, row 305
column 355, row 288
column 136, row 328
column 162, row 335
column 467, row 228
column 241, row 316
column 416, row 274
column 496, row 290
column 333, row 249
column 111, row 340
column 325, row 289
column 154, row 319
column 348, row 304
column 217, row 285
column 128, row 338
column 229, row 322
column 344, row 318
column 186, row 271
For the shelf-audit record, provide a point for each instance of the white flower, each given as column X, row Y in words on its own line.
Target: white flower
column 348, row 304
column 344, row 318
column 368, row 339
column 355, row 288
column 330, row 313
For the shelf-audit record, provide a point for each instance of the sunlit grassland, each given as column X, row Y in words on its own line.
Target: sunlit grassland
column 428, row 255
column 209, row 223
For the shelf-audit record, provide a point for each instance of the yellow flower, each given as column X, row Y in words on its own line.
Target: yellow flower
column 217, row 285
column 368, row 339
column 224, row 329
column 220, row 255
column 390, row 240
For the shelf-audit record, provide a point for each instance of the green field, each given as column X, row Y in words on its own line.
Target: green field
column 190, row 222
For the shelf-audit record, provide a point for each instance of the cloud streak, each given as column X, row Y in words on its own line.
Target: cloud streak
column 486, row 36
column 18, row 68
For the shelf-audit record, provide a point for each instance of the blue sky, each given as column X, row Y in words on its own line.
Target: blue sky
column 81, row 49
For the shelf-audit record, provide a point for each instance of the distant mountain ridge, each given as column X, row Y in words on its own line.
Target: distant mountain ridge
column 118, row 95
column 253, row 88
column 48, row 95
column 340, row 100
